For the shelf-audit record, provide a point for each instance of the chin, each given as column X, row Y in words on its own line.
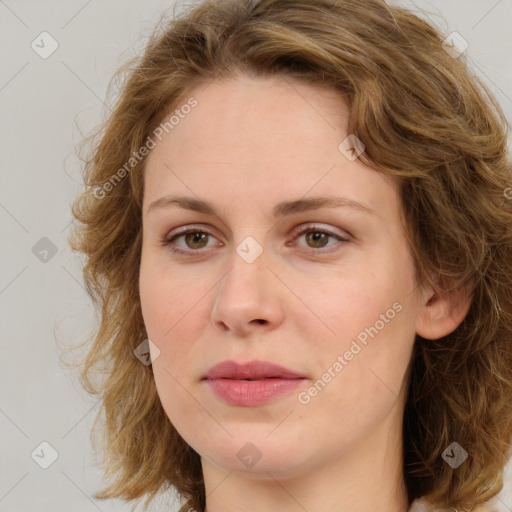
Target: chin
column 256, row 456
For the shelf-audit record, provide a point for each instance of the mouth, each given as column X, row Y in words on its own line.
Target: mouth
column 260, row 378
column 250, row 371
column 250, row 384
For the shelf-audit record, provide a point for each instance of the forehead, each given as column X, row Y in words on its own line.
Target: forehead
column 246, row 114
column 261, row 138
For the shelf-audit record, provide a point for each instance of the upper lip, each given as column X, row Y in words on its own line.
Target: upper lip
column 250, row 370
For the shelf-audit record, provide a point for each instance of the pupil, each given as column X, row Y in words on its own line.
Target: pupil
column 316, row 237
column 196, row 238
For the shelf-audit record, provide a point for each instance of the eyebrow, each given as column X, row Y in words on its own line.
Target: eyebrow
column 281, row 210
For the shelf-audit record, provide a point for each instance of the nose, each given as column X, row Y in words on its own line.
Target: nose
column 249, row 298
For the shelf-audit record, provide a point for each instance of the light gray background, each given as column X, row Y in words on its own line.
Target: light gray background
column 43, row 102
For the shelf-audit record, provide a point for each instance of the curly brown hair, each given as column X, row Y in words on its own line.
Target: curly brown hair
column 422, row 116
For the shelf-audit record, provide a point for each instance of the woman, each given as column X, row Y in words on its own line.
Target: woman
column 297, row 229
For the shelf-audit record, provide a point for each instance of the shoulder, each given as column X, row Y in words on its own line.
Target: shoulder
column 423, row 505
column 419, row 505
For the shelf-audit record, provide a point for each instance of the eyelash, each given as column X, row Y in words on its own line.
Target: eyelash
column 168, row 241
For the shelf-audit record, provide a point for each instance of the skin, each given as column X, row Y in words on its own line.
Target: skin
column 249, row 144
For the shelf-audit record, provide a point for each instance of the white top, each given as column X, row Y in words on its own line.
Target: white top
column 422, row 505
column 418, row 505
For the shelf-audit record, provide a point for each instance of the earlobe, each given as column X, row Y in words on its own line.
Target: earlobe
column 443, row 312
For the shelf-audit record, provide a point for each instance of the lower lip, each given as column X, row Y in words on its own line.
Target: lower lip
column 250, row 393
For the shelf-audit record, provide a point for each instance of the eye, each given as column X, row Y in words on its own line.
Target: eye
column 318, row 238
column 194, row 239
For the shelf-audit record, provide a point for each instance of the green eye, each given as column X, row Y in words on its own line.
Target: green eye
column 316, row 239
column 194, row 240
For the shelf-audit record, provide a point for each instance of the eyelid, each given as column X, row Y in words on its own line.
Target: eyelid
column 186, row 230
column 296, row 233
column 206, row 228
column 318, row 227
column 322, row 251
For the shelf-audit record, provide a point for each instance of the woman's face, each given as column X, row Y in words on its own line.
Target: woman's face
column 296, row 257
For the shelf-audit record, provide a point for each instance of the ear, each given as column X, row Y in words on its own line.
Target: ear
column 442, row 312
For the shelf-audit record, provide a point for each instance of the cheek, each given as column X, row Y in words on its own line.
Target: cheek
column 166, row 297
column 175, row 310
column 171, row 314
column 369, row 323
column 350, row 304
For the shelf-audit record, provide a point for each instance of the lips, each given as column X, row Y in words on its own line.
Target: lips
column 253, row 370
column 250, row 384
